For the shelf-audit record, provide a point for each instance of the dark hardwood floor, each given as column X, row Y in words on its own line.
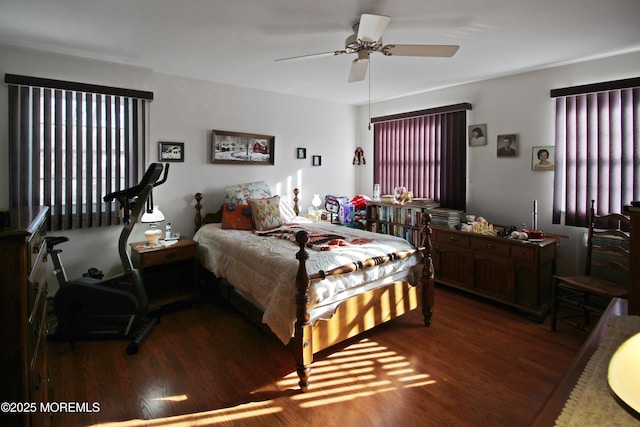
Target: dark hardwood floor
column 478, row 364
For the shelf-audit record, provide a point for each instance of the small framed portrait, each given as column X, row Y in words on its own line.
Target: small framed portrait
column 316, row 161
column 543, row 158
column 507, row 145
column 477, row 135
column 171, row 151
column 301, row 153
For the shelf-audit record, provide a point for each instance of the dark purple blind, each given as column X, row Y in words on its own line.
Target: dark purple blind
column 69, row 148
column 425, row 153
column 597, row 152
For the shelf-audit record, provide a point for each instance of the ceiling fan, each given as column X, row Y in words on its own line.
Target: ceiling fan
column 367, row 38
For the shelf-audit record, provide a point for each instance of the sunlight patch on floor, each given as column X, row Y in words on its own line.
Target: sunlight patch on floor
column 362, row 369
column 240, row 412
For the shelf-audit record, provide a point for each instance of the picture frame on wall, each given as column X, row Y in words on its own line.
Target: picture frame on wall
column 477, row 135
column 316, row 161
column 507, row 145
column 301, row 153
column 237, row 148
column 170, row 151
column 543, row 158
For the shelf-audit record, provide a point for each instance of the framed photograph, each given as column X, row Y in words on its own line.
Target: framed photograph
column 507, row 145
column 477, row 135
column 171, row 151
column 316, row 161
column 543, row 158
column 236, row 148
column 301, row 153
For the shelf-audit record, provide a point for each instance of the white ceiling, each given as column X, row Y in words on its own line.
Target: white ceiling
column 237, row 41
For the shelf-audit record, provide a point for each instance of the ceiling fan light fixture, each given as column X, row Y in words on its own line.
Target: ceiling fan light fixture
column 363, row 56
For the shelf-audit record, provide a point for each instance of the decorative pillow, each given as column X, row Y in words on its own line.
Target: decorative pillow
column 286, row 210
column 236, row 216
column 253, row 190
column 266, row 213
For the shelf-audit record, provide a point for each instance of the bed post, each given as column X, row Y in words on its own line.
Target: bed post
column 302, row 345
column 296, row 208
column 198, row 218
column 427, row 280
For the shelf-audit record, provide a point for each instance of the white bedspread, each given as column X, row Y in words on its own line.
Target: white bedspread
column 264, row 268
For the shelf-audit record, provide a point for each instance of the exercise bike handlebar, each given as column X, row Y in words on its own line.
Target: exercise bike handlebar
column 128, row 197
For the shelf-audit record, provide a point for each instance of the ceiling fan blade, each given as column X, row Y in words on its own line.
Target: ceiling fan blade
column 312, row 55
column 371, row 27
column 358, row 70
column 441, row 50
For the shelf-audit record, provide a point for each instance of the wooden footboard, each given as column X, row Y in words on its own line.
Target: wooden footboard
column 357, row 314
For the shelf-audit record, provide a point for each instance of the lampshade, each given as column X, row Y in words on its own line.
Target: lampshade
column 316, row 201
column 154, row 216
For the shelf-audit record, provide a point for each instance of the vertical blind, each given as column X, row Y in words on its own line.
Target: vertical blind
column 424, row 151
column 597, row 149
column 70, row 144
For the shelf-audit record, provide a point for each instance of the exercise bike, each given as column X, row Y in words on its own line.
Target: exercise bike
column 117, row 307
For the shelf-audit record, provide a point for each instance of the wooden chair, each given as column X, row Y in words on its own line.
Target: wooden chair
column 607, row 273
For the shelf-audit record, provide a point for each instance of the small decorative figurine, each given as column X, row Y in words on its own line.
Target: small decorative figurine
column 358, row 157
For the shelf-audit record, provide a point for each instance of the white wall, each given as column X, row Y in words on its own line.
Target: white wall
column 186, row 110
column 502, row 189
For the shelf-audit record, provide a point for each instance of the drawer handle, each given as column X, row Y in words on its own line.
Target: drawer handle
column 453, row 239
column 170, row 256
column 490, row 246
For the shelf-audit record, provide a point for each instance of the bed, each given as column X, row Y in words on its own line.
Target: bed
column 314, row 284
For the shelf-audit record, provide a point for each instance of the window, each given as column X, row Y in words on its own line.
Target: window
column 70, row 144
column 597, row 149
column 424, row 151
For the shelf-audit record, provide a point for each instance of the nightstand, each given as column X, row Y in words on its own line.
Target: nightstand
column 169, row 272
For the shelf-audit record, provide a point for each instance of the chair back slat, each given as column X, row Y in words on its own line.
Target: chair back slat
column 608, row 246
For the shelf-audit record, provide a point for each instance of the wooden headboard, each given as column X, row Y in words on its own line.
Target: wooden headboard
column 216, row 217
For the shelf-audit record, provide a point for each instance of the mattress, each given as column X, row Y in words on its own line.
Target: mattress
column 264, row 267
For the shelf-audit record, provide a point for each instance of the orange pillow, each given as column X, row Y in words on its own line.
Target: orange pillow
column 236, row 216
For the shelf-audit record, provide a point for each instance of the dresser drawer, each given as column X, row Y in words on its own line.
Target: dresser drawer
column 452, row 238
column 164, row 256
column 37, row 330
column 36, row 283
column 490, row 246
column 527, row 253
column 36, row 247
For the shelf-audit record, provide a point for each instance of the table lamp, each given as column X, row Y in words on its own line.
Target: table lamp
column 152, row 217
column 315, row 202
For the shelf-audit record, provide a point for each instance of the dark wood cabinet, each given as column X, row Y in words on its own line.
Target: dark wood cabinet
column 514, row 272
column 634, row 254
column 23, row 315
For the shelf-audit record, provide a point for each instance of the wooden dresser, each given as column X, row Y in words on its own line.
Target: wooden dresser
column 514, row 272
column 23, row 316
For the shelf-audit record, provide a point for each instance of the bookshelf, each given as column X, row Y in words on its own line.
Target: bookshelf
column 400, row 220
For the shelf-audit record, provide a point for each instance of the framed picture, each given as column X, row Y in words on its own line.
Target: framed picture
column 171, row 151
column 477, row 135
column 235, row 148
column 316, row 161
column 507, row 145
column 301, row 153
column 543, row 158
